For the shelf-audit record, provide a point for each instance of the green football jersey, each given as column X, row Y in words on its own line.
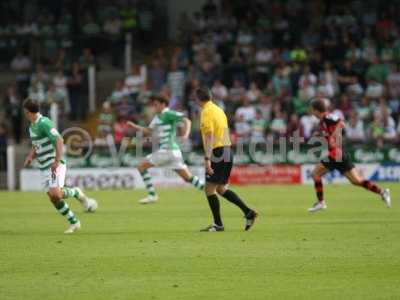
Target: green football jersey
column 164, row 128
column 44, row 135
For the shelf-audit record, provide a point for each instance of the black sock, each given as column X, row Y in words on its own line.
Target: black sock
column 235, row 199
column 214, row 205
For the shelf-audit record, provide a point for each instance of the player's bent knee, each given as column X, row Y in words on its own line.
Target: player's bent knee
column 316, row 177
column 356, row 182
column 55, row 196
column 221, row 190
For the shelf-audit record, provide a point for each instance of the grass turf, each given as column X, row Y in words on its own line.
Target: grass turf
column 128, row 251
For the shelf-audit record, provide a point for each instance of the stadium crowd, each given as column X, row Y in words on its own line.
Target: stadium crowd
column 49, row 46
column 265, row 61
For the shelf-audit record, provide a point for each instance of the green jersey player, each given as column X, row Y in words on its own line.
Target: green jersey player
column 169, row 155
column 47, row 146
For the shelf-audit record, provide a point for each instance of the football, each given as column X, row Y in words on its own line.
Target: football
column 91, row 206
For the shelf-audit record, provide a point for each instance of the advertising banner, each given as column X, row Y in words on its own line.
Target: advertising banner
column 266, row 174
column 375, row 172
column 107, row 178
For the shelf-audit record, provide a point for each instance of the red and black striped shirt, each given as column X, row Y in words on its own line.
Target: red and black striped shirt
column 330, row 126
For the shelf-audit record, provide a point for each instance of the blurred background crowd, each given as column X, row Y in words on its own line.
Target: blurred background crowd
column 263, row 61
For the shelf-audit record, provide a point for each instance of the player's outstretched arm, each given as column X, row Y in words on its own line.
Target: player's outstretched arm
column 145, row 130
column 187, row 126
column 59, row 144
column 29, row 159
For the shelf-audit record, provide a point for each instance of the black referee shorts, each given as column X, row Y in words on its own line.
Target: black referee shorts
column 221, row 163
column 342, row 166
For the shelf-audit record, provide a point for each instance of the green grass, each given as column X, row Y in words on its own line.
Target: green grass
column 128, row 251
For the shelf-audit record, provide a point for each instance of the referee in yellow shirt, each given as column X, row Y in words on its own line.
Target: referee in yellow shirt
column 218, row 160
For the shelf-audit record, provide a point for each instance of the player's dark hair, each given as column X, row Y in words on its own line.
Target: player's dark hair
column 159, row 99
column 31, row 105
column 203, row 94
column 319, row 105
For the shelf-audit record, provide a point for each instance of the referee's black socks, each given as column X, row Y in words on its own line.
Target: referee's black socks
column 235, row 199
column 214, row 205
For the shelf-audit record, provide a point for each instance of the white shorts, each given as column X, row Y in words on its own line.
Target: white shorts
column 48, row 181
column 171, row 159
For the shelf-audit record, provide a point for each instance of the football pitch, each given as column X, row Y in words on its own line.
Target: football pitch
column 129, row 251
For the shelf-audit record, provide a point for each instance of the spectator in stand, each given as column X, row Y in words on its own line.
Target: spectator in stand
column 374, row 90
column 329, row 77
column 393, row 84
column 308, row 82
column 176, row 80
column 21, row 64
column 78, row 103
column 118, row 93
column 382, row 115
column 208, row 74
column 308, row 123
column 40, row 76
column 347, row 76
column 246, row 110
column 324, row 89
column 281, row 82
column 377, row 71
column 106, row 120
column 121, row 130
column 135, row 83
column 236, row 92
column 219, row 91
column 259, row 128
column 156, row 76
column 126, row 110
column 278, row 126
column 245, row 38
column 37, row 91
column 294, row 127
column 254, row 93
column 355, row 131
column 242, row 129
column 237, row 66
column 345, row 105
column 365, row 109
column 14, row 111
column 60, row 82
column 265, row 107
column 262, row 59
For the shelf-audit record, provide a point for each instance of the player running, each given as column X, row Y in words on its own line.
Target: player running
column 331, row 128
column 163, row 127
column 47, row 147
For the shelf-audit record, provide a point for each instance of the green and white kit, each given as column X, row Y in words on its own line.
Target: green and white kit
column 164, row 126
column 44, row 135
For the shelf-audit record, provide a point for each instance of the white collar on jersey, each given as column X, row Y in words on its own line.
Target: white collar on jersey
column 39, row 116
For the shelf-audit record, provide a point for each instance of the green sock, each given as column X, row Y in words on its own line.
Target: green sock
column 69, row 192
column 149, row 185
column 64, row 210
column 197, row 183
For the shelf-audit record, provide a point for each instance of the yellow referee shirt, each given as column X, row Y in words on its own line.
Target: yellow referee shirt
column 213, row 121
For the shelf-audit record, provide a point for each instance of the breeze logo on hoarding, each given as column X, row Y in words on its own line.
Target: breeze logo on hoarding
column 373, row 172
column 387, row 173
